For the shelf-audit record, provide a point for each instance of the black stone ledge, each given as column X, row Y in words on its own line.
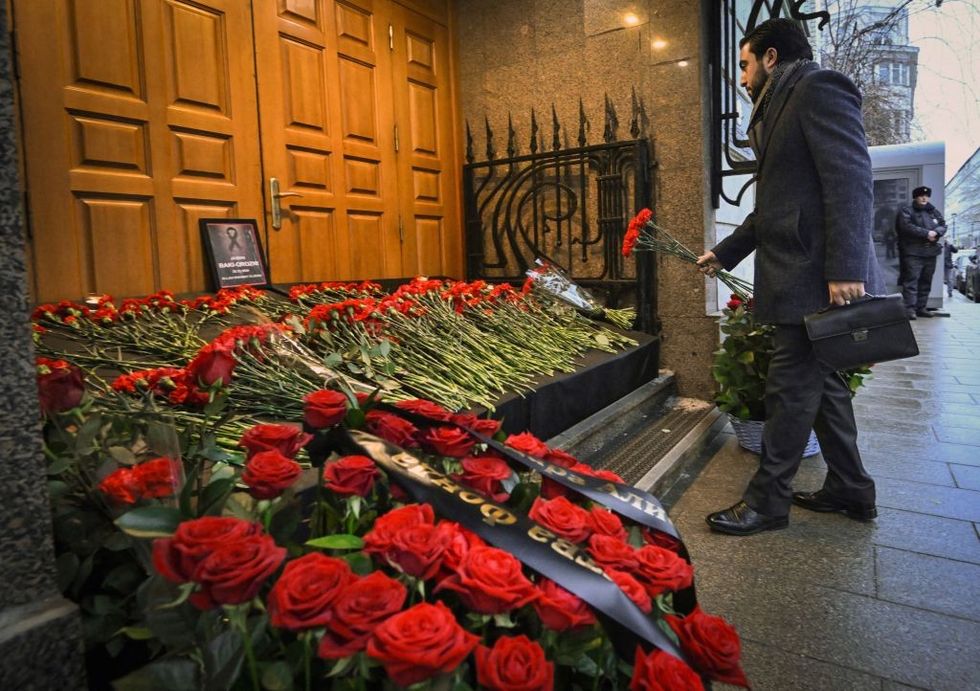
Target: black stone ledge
column 41, row 647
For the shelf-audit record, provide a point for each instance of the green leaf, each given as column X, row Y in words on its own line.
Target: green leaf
column 503, row 621
column 213, row 497
column 354, row 502
column 122, row 455
column 217, row 404
column 171, row 674
column 57, row 489
column 342, row 541
column 137, row 633
column 342, row 665
column 150, row 521
column 360, row 563
column 333, row 360
column 223, row 659
column 355, row 418
column 59, row 465
column 384, row 347
column 186, row 499
column 277, row 677
column 85, row 439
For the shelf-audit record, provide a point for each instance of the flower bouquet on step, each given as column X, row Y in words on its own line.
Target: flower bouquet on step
column 547, row 279
column 644, row 234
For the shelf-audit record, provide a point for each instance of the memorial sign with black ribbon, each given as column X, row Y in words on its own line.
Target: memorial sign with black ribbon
column 234, row 252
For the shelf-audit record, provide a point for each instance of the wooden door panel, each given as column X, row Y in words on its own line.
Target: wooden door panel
column 138, row 119
column 428, row 192
column 328, row 138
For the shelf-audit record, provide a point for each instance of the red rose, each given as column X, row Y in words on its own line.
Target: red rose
column 381, row 538
column 60, row 386
column 563, row 518
column 660, row 570
column 712, row 646
column 514, row 664
column 481, row 425
column 391, row 428
column 324, row 408
column 234, row 572
column 734, row 303
column 659, row 539
column 612, row 552
column 490, row 581
column 420, row 642
column 302, row 597
column 560, row 610
column 527, row 443
column 268, row 473
column 607, row 523
column 604, row 474
column 119, row 486
column 157, row 478
column 215, row 362
column 550, row 489
column 448, row 441
column 484, row 474
column 418, row 550
column 633, row 588
column 562, row 458
column 458, row 544
column 660, row 671
column 177, row 557
column 286, row 439
column 361, row 607
column 427, row 409
column 351, row 475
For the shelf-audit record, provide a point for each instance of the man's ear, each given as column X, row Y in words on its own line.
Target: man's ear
column 770, row 58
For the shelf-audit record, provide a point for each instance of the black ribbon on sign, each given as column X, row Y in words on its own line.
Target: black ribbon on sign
column 232, row 234
column 626, row 500
column 533, row 544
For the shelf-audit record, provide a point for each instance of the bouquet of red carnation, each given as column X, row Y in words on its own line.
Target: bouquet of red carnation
column 644, row 235
column 552, row 281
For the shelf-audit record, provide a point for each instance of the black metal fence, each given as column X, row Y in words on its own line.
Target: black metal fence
column 568, row 205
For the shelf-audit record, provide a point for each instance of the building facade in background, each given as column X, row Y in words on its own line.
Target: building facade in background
column 963, row 203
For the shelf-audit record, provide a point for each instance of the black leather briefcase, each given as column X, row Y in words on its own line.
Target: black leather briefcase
column 873, row 329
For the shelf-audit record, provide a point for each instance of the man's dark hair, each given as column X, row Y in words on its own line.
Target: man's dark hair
column 785, row 35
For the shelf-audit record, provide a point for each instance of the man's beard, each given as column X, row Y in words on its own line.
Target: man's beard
column 758, row 84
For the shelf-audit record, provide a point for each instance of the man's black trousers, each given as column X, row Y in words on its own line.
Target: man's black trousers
column 917, row 280
column 802, row 394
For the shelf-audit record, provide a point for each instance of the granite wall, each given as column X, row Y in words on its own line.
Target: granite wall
column 40, row 633
column 519, row 54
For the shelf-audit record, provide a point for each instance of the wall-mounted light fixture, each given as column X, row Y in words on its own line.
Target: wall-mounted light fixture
column 630, row 19
column 658, row 44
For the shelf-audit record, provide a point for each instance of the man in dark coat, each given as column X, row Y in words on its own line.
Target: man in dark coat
column 950, row 272
column 812, row 234
column 919, row 226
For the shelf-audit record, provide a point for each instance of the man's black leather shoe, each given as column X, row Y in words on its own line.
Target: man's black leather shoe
column 923, row 313
column 911, row 315
column 826, row 503
column 742, row 520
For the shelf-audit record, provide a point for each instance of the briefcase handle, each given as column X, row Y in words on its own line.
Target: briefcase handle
column 867, row 297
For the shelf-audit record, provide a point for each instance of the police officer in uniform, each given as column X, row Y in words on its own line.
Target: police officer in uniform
column 919, row 226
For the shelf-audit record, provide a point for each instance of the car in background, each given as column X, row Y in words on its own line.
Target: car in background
column 971, row 280
column 960, row 262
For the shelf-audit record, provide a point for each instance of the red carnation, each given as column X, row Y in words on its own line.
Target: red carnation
column 157, row 478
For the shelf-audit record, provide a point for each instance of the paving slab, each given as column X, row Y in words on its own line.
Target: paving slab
column 963, row 419
column 904, row 644
column 966, row 476
column 935, row 535
column 958, row 435
column 949, row 502
column 931, row 583
column 884, row 465
column 770, row 669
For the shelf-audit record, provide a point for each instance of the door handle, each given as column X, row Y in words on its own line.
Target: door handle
column 275, row 195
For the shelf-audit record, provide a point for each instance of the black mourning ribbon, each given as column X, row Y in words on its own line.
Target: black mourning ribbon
column 232, row 234
column 533, row 544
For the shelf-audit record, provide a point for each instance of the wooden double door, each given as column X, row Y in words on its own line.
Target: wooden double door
column 142, row 116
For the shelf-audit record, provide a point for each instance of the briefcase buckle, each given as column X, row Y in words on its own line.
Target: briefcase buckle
column 860, row 335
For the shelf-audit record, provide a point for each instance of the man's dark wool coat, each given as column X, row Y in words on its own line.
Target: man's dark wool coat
column 813, row 214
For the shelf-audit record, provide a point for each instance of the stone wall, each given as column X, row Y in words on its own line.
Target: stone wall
column 40, row 633
column 519, row 54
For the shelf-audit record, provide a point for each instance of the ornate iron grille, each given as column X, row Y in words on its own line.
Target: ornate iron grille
column 731, row 155
column 566, row 205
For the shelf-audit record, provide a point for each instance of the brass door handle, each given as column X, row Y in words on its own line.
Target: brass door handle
column 276, row 195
